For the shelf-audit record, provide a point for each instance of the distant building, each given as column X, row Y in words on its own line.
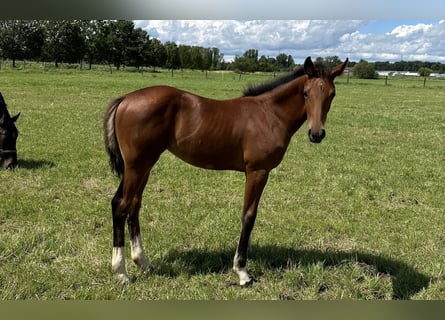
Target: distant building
column 406, row 73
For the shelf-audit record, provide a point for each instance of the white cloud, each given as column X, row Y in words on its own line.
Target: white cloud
column 404, row 31
column 301, row 38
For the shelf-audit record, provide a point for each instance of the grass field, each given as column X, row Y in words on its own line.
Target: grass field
column 360, row 216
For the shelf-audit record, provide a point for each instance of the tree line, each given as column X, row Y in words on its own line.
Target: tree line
column 368, row 70
column 116, row 43
column 119, row 43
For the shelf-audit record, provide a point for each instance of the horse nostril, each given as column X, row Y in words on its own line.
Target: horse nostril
column 316, row 138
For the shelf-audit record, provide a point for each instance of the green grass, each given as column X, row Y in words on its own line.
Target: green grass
column 359, row 216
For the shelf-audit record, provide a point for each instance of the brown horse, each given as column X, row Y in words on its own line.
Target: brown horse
column 248, row 134
column 8, row 136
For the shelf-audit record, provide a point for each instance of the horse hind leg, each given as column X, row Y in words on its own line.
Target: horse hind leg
column 119, row 218
column 125, row 207
column 137, row 250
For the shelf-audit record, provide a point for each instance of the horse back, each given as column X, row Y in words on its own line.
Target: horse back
column 201, row 131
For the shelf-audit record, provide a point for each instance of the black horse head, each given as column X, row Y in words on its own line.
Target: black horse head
column 8, row 136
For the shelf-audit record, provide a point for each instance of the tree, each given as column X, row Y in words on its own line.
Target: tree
column 332, row 61
column 365, row 70
column 383, row 66
column 241, row 64
column 20, row 39
column 120, row 35
column 265, row 64
column 401, row 66
column 290, row 62
column 424, row 72
column 94, row 37
column 65, row 41
column 34, row 39
column 159, row 53
column 72, row 42
column 138, row 48
column 10, row 40
column 52, row 48
column 216, row 58
column 172, row 60
column 197, row 59
column 285, row 62
column 185, row 57
column 248, row 62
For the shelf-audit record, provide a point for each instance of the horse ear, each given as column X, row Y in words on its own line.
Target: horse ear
column 308, row 67
column 338, row 70
column 14, row 118
column 2, row 100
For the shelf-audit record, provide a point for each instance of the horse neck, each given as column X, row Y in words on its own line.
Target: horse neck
column 288, row 103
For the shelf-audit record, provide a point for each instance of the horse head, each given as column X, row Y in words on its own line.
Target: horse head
column 319, row 91
column 8, row 136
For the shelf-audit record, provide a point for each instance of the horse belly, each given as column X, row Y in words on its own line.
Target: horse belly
column 210, row 151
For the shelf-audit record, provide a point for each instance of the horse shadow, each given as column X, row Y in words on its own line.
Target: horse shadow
column 406, row 281
column 29, row 164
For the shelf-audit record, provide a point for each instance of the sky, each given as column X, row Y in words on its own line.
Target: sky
column 371, row 40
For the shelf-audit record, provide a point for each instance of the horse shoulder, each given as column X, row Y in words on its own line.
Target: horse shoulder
column 266, row 137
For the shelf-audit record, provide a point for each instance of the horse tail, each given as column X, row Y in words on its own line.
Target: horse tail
column 111, row 143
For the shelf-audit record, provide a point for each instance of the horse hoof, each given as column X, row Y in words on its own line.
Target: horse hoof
column 247, row 284
column 123, row 278
column 145, row 269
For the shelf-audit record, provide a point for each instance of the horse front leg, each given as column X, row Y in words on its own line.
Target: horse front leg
column 255, row 182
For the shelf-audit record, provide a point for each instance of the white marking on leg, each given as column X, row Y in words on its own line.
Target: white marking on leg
column 244, row 277
column 118, row 264
column 137, row 253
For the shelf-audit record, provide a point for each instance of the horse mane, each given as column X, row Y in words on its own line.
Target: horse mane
column 257, row 89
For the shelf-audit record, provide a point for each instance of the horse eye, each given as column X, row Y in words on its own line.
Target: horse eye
column 305, row 94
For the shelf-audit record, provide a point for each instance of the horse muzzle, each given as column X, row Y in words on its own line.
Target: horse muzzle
column 11, row 166
column 9, row 159
column 316, row 137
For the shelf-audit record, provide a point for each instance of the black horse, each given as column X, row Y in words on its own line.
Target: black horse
column 8, row 136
